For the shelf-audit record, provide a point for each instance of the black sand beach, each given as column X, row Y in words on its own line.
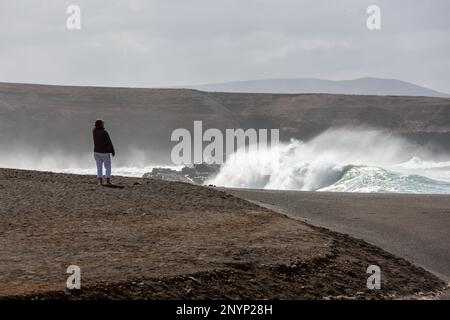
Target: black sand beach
column 168, row 240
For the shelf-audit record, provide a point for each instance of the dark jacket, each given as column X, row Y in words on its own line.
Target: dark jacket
column 102, row 141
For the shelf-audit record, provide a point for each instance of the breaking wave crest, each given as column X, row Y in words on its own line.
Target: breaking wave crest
column 347, row 160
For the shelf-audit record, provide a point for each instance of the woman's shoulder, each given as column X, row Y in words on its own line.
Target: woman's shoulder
column 98, row 132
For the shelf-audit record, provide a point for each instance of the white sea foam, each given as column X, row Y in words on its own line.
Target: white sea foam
column 351, row 160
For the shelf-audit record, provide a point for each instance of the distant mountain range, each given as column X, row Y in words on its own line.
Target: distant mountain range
column 362, row 86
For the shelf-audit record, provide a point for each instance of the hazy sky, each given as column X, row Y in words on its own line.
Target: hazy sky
column 174, row 42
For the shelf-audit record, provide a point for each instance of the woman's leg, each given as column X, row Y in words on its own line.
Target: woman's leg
column 99, row 163
column 107, row 161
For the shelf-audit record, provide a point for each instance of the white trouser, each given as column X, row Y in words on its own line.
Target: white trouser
column 103, row 159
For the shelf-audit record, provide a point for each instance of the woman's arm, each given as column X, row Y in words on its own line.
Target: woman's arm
column 110, row 145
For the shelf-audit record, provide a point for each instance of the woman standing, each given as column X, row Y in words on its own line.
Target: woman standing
column 103, row 148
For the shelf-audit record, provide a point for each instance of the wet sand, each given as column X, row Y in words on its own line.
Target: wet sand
column 413, row 226
column 169, row 240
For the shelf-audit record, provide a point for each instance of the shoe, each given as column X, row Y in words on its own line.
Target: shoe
column 108, row 181
column 100, row 181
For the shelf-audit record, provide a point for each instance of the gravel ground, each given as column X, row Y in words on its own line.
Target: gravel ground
column 167, row 240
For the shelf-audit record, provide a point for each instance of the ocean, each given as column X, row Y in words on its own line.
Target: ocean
column 338, row 160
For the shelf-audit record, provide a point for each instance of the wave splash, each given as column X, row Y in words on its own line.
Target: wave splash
column 346, row 160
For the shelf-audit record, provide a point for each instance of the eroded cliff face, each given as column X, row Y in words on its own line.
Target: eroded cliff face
column 48, row 119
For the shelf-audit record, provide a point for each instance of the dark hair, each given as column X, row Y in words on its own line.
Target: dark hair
column 99, row 124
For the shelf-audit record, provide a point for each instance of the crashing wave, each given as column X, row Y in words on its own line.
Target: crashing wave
column 373, row 179
column 338, row 160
